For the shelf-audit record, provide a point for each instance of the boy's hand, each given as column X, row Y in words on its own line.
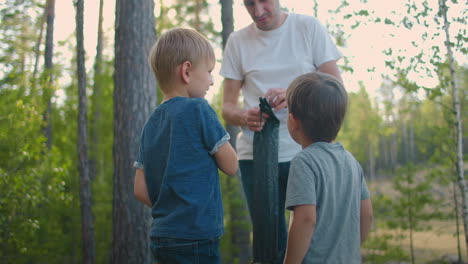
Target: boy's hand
column 366, row 218
column 276, row 98
column 252, row 119
column 140, row 189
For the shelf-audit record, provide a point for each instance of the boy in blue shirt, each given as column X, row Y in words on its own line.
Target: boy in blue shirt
column 327, row 192
column 182, row 146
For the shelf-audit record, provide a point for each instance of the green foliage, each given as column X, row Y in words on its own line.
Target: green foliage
column 39, row 201
column 380, row 249
column 192, row 14
column 18, row 34
column 32, row 180
column 360, row 130
column 101, row 141
column 236, row 215
column 415, row 203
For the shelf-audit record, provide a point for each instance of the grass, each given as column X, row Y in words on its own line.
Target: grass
column 429, row 245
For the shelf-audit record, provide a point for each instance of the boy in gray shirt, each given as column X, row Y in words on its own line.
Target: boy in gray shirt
column 327, row 192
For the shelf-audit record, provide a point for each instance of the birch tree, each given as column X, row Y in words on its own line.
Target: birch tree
column 458, row 121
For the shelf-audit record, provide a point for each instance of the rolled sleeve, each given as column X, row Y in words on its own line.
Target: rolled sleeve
column 139, row 164
column 220, row 143
column 213, row 133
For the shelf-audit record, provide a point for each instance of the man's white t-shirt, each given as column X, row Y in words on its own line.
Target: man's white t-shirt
column 273, row 59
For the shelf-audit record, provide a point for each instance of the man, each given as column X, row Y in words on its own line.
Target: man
column 262, row 59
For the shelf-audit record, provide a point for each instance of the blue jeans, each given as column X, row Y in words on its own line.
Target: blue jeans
column 182, row 251
column 246, row 168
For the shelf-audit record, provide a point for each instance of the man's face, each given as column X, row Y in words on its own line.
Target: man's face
column 265, row 13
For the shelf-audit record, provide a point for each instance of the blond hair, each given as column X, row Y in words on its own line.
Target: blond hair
column 175, row 47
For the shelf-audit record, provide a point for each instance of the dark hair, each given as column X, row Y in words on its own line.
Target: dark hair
column 319, row 101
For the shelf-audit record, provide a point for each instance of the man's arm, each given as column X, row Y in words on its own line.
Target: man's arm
column 300, row 233
column 366, row 218
column 140, row 189
column 331, row 68
column 233, row 114
column 226, row 159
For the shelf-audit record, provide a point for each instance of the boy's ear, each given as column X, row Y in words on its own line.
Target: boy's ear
column 295, row 123
column 185, row 71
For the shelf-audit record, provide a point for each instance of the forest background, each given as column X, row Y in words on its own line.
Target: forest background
column 75, row 90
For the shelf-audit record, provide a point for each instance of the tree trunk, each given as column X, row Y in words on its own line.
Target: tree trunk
column 457, row 222
column 393, row 152
column 458, row 123
column 87, row 230
column 404, row 142
column 38, row 53
column 49, row 51
column 134, row 98
column 240, row 235
column 227, row 19
column 411, row 142
column 371, row 162
column 97, row 95
column 197, row 24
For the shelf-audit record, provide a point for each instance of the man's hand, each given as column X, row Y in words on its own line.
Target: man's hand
column 252, row 119
column 276, row 98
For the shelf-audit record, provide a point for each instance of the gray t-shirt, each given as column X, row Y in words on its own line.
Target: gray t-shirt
column 329, row 177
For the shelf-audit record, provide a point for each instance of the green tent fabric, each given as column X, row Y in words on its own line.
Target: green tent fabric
column 265, row 189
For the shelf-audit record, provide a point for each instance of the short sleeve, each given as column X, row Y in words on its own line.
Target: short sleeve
column 139, row 164
column 364, row 191
column 323, row 47
column 301, row 187
column 231, row 66
column 213, row 133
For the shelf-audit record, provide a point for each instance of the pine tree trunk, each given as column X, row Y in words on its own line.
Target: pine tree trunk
column 371, row 162
column 411, row 143
column 409, row 210
column 197, row 24
column 240, row 235
column 97, row 95
column 87, row 230
column 134, row 98
column 384, row 151
column 37, row 52
column 393, row 152
column 49, row 51
column 404, row 142
column 227, row 19
column 457, row 125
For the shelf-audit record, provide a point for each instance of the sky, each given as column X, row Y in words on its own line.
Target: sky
column 364, row 45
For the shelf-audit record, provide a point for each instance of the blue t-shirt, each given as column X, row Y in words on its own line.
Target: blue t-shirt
column 176, row 153
column 329, row 177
